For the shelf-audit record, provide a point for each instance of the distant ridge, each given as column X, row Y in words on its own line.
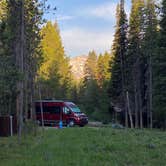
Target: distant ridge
column 77, row 66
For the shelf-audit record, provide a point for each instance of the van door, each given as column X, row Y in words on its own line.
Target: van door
column 54, row 114
column 66, row 115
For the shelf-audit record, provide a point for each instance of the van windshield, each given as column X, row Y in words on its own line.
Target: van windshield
column 74, row 109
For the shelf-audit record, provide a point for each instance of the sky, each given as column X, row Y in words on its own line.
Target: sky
column 85, row 25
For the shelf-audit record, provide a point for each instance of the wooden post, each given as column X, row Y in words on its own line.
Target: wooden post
column 11, row 126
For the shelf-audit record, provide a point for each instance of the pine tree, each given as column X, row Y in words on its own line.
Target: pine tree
column 117, row 89
column 134, row 59
column 20, row 40
column 91, row 67
column 2, row 9
column 149, row 49
column 93, row 96
column 103, row 74
column 89, row 88
column 55, row 69
column 159, row 66
column 103, row 77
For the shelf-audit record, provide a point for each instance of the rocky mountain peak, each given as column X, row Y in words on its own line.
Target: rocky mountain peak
column 77, row 66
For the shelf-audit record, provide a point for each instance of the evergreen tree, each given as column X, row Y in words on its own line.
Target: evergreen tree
column 3, row 9
column 103, row 77
column 7, row 72
column 149, row 51
column 20, row 39
column 159, row 66
column 90, row 67
column 103, row 74
column 134, row 59
column 89, row 85
column 55, row 69
column 93, row 96
column 117, row 88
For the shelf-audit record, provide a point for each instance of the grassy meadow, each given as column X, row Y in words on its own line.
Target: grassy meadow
column 86, row 147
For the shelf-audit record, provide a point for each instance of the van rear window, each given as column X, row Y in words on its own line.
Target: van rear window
column 51, row 109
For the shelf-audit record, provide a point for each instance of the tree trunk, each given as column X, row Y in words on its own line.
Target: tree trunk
column 150, row 92
column 137, row 89
column 136, row 107
column 41, row 108
column 129, row 110
column 140, row 102
column 20, row 85
column 32, row 98
column 123, row 82
column 140, row 109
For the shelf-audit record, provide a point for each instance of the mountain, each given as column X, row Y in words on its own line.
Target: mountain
column 77, row 66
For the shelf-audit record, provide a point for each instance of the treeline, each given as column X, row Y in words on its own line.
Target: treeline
column 137, row 86
column 54, row 75
column 56, row 81
column 20, row 55
column 33, row 64
column 92, row 95
column 135, row 93
column 126, row 85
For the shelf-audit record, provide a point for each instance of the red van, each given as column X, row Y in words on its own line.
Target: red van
column 54, row 111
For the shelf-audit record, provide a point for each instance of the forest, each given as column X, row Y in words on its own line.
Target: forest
column 125, row 85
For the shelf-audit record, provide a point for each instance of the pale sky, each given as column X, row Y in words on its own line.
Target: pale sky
column 85, row 25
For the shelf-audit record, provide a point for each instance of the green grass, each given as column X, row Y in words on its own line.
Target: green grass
column 86, row 147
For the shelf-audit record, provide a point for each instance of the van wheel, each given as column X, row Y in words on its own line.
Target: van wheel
column 71, row 123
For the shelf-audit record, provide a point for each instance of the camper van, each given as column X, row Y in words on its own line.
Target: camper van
column 51, row 112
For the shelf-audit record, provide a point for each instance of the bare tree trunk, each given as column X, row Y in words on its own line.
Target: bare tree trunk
column 135, row 84
column 26, row 82
column 21, row 69
column 123, row 87
column 136, row 107
column 32, row 98
column 26, row 97
column 147, row 95
column 31, row 107
column 126, row 118
column 41, row 108
column 129, row 110
column 150, row 92
column 140, row 107
column 137, row 90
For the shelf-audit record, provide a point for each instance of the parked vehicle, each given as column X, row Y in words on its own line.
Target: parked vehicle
column 54, row 111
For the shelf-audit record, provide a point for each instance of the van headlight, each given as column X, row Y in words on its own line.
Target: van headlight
column 78, row 118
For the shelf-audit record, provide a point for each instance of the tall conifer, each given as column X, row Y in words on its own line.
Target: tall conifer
column 159, row 76
column 134, row 59
column 20, row 40
column 149, row 51
column 117, row 89
column 55, row 70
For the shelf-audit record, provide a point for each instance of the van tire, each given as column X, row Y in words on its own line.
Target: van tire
column 71, row 123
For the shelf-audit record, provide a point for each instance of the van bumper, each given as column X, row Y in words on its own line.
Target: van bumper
column 82, row 122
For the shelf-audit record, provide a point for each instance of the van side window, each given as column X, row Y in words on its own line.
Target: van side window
column 66, row 110
column 52, row 109
column 38, row 111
